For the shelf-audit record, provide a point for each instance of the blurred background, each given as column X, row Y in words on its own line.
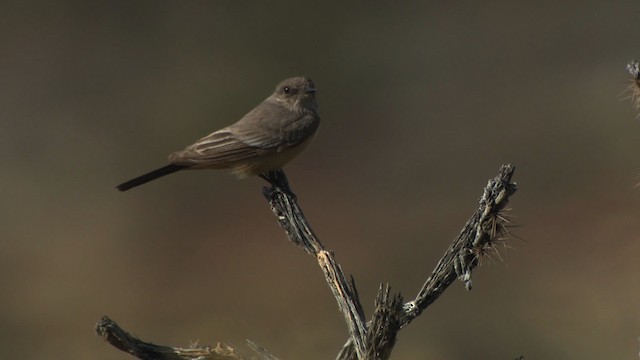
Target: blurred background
column 420, row 104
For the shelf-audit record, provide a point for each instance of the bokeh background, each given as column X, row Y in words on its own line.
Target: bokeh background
column 421, row 103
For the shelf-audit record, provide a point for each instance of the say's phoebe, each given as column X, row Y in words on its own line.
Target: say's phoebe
column 265, row 139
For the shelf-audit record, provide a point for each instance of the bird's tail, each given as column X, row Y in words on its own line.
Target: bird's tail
column 169, row 169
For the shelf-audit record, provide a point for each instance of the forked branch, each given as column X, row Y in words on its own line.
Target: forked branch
column 487, row 228
column 374, row 340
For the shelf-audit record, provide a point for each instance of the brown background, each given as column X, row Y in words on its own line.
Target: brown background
column 420, row 106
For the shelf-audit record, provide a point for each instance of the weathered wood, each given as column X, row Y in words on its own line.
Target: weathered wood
column 484, row 231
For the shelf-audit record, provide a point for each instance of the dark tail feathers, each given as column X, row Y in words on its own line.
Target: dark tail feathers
column 169, row 169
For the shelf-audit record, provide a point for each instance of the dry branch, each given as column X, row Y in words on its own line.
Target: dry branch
column 486, row 228
column 284, row 205
column 124, row 341
column 374, row 340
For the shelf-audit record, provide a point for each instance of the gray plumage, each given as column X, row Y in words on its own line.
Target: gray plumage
column 265, row 139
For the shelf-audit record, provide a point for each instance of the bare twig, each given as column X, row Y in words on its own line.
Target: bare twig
column 285, row 206
column 264, row 354
column 486, row 228
column 124, row 341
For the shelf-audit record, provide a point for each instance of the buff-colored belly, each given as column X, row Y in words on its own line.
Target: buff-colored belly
column 263, row 164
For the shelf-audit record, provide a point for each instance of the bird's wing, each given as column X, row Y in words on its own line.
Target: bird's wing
column 221, row 147
column 256, row 134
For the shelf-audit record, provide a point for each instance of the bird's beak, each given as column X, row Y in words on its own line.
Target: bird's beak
column 310, row 90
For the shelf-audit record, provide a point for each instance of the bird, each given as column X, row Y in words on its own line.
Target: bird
column 265, row 139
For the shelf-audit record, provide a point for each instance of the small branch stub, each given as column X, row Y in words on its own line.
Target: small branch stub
column 384, row 324
column 633, row 90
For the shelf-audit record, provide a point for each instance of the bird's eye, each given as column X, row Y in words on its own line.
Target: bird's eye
column 286, row 90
